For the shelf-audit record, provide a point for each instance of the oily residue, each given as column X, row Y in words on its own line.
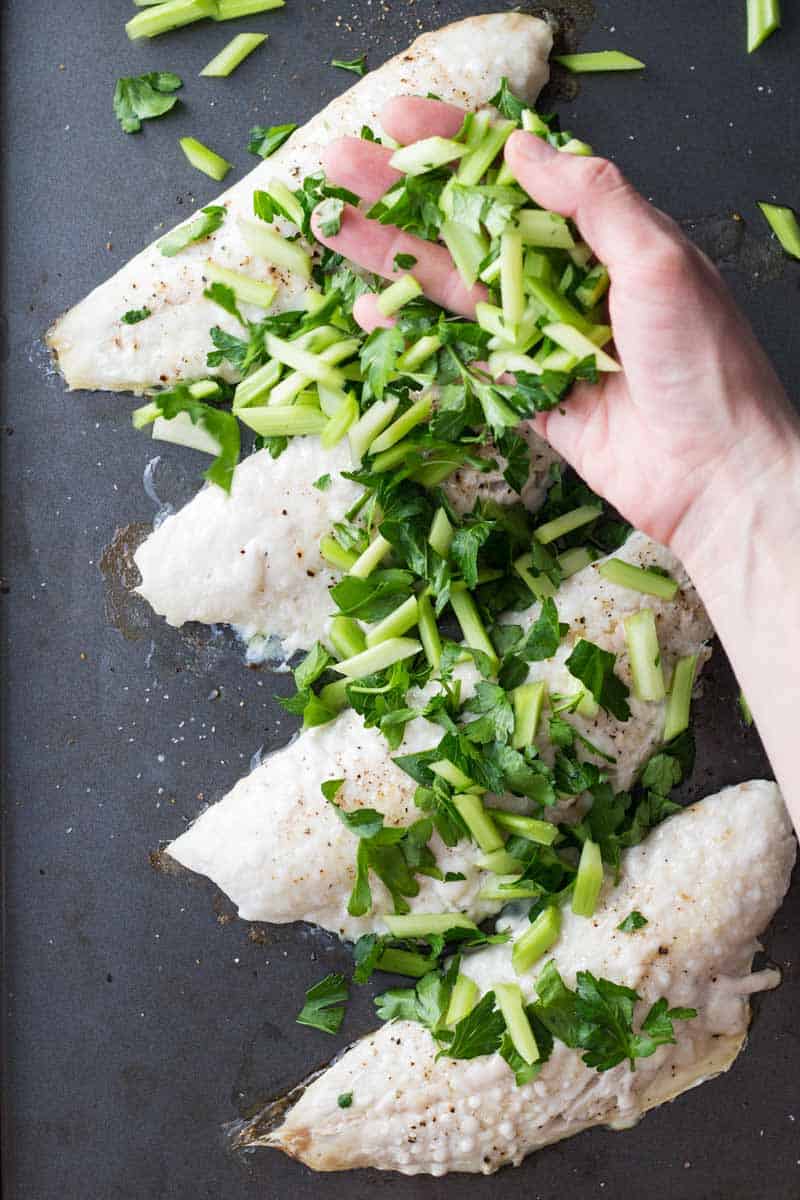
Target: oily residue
column 125, row 611
column 160, row 861
column 256, row 1130
column 729, row 243
column 570, row 22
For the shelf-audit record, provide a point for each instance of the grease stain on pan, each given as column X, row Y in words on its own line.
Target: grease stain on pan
column 570, row 22
column 728, row 242
column 125, row 611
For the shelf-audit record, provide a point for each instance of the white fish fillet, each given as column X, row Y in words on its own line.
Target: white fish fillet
column 278, row 849
column 708, row 880
column 462, row 63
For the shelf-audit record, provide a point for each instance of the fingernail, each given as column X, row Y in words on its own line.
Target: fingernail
column 530, row 147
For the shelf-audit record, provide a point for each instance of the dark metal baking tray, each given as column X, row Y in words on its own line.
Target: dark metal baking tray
column 139, row 1017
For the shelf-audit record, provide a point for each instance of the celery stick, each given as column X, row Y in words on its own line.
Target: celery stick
column 599, row 60
column 533, row 123
column 311, row 365
column 540, row 585
column 538, row 227
column 588, row 881
column 478, row 821
column 205, row 160
column 490, row 318
column 577, row 343
column 334, row 695
column 467, row 249
column 413, row 416
column 396, row 624
column 482, row 154
column 441, row 534
column 393, row 457
column 574, row 560
column 587, row 706
column 511, row 289
column 230, row 57
column 644, row 654
column 163, row 17
column 435, row 471
column 426, row 155
column 501, row 361
column 576, row 146
column 638, row 579
column 784, row 225
column 428, row 631
column 275, row 248
column 347, row 637
column 374, row 554
column 339, row 423
column 536, row 940
column 229, row 10
column 335, row 554
column 475, row 635
column 277, row 190
column 419, row 353
column 288, row 421
column 556, row 305
column 463, row 999
column 500, row 862
column 377, row 658
column 594, row 287
column 330, row 355
column 581, row 254
column 744, row 709
column 244, row 288
column 422, row 925
column 763, row 18
column 453, row 775
column 404, row 962
column 679, row 701
column 370, row 424
column 506, row 888
column 257, row 386
column 567, row 523
column 528, row 699
column 180, row 430
column 398, row 294
column 512, row 1006
column 541, row 832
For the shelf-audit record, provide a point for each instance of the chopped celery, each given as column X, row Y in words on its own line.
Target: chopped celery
column 463, row 999
column 285, row 200
column 784, row 225
column 540, row 585
column 339, row 422
column 536, row 940
column 257, row 386
column 335, row 554
column 475, row 635
column 205, row 160
column 230, row 57
column 275, row 248
column 588, row 881
column 599, row 60
column 511, row 287
column 483, row 152
column 387, row 460
column 644, row 654
column 528, row 699
column 541, row 832
column 744, row 709
column 334, row 695
column 556, row 305
column 422, row 925
column 763, row 18
column 413, row 416
column 441, row 534
column 163, row 17
column 510, row 887
column 490, row 318
column 244, row 288
column 467, row 249
column 502, row 361
column 347, row 637
column 581, row 254
column 397, row 294
column 287, row 421
column 419, row 353
column 591, row 291
column 429, row 631
column 182, row 431
column 679, row 701
column 500, row 862
column 578, row 344
column 377, row 658
column 538, row 227
column 229, row 10
column 567, row 523
column 638, row 579
column 330, row 355
column 453, row 775
column 404, row 962
column 574, row 560
column 426, row 155
column 374, row 554
column 293, row 355
column 576, row 146
column 587, row 706
column 478, row 821
column 370, row 424
column 512, row 1006
column 396, row 624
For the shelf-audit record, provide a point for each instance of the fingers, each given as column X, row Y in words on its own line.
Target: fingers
column 615, row 220
column 368, row 315
column 412, row 118
column 361, row 167
column 374, row 247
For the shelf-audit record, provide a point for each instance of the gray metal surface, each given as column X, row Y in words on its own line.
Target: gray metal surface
column 139, row 1017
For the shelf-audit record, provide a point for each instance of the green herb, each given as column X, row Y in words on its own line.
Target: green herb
column 266, row 139
column 324, row 1006
column 207, row 222
column 507, row 103
column 632, row 922
column 323, row 483
column 134, row 315
column 140, row 98
column 479, row 1032
column 404, row 262
column 224, row 296
column 594, row 667
column 329, row 215
column 221, row 425
column 357, row 65
column 345, row 1099
column 545, row 634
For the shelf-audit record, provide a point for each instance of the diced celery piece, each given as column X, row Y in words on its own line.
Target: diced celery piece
column 638, row 579
column 536, row 940
column 567, row 523
column 244, row 287
column 581, row 254
column 528, row 699
column 453, row 775
column 574, row 560
column 429, row 631
column 467, row 249
column 467, row 615
column 182, row 431
column 313, row 366
column 679, row 701
column 413, row 416
column 329, row 355
column 763, row 18
column 419, row 353
column 557, row 306
column 267, row 243
column 463, row 999
column 538, row 227
column 591, row 291
column 339, row 422
column 426, row 155
column 588, row 881
column 490, row 318
column 371, row 558
column 421, row 925
column 277, row 190
column 599, row 60
column 288, row 421
column 378, row 658
column 347, row 637
column 172, row 15
column 232, row 55
column 370, row 425
column 502, row 361
column 500, row 862
column 576, row 146
column 577, row 343
column 335, row 554
column 441, row 534
column 505, row 888
column 229, row 10
column 512, row 1006
column 404, row 962
column 478, row 821
column 205, row 160
column 396, row 624
column 784, row 225
column 540, row 585
column 334, row 695
column 644, row 654
column 482, row 154
column 397, row 294
column 258, row 385
column 511, row 289
column 533, row 123
column 541, row 832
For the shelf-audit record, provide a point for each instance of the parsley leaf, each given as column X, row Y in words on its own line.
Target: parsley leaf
column 496, row 722
column 357, row 65
column 224, row 296
column 464, row 549
column 324, row 1006
column 404, row 262
column 329, row 215
column 140, row 98
column 379, row 356
column 309, row 670
column 507, row 103
column 632, row 922
column 323, row 483
column 345, row 1099
column 479, row 1032
column 545, row 634
column 207, row 222
column 594, row 667
column 265, row 140
column 221, row 425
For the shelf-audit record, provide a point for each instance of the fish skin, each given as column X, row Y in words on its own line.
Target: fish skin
column 462, row 63
column 278, row 849
column 709, row 880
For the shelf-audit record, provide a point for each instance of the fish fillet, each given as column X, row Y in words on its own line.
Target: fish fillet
column 278, row 849
column 461, row 63
column 708, row 881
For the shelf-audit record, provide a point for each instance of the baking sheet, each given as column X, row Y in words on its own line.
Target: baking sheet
column 140, row 1018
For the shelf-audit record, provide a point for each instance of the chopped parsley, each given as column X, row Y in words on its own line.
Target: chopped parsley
column 357, row 65
column 266, row 139
column 323, row 483
column 208, row 222
column 140, row 98
column 134, row 315
column 632, row 922
column 345, row 1099
column 324, row 1006
column 594, row 667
